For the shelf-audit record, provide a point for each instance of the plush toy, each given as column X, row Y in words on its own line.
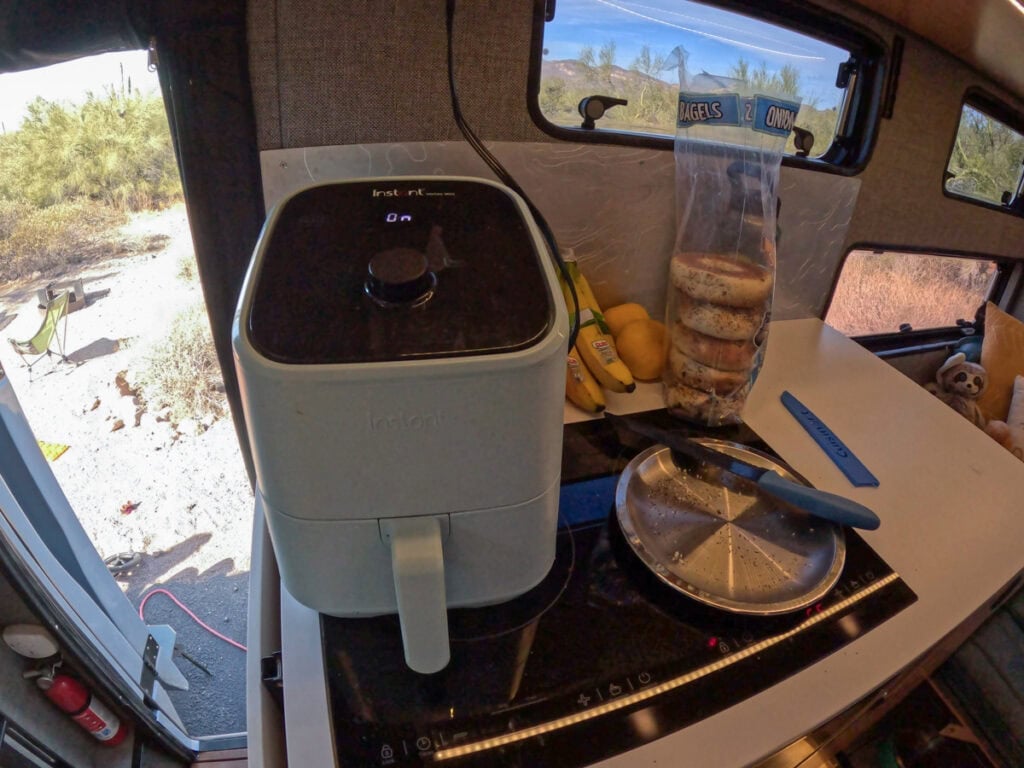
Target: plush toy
column 1010, row 433
column 958, row 384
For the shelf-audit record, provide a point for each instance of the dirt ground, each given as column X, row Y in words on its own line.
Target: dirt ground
column 148, row 486
column 177, row 494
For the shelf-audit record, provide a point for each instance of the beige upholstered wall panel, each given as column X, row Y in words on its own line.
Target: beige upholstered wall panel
column 345, row 70
column 362, row 72
column 902, row 201
column 359, row 71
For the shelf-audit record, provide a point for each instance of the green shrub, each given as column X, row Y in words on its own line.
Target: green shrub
column 182, row 372
column 115, row 149
column 48, row 240
column 11, row 213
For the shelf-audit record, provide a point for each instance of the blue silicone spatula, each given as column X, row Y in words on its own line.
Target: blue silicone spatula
column 828, row 506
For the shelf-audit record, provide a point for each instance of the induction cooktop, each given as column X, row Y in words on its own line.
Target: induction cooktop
column 599, row 658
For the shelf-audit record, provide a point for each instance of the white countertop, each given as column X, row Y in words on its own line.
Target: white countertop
column 952, row 527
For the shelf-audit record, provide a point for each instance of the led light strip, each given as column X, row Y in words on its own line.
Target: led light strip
column 657, row 690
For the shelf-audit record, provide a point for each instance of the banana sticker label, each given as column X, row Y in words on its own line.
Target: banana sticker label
column 574, row 370
column 605, row 351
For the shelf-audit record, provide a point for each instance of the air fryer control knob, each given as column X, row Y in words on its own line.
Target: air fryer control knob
column 399, row 276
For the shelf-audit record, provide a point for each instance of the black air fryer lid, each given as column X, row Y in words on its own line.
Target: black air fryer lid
column 394, row 270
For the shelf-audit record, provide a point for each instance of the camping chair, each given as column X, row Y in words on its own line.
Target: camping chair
column 39, row 344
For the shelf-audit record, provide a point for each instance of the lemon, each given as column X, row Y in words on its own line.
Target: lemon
column 621, row 315
column 643, row 347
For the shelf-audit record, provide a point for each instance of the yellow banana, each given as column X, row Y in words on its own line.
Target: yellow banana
column 594, row 343
column 581, row 387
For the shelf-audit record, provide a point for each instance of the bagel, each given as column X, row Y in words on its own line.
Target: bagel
column 720, row 322
column 732, row 280
column 723, row 354
column 705, row 407
column 688, row 371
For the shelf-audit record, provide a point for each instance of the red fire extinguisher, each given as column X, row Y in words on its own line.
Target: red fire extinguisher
column 75, row 699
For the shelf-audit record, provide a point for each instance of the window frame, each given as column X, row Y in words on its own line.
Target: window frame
column 994, row 108
column 875, row 83
column 925, row 337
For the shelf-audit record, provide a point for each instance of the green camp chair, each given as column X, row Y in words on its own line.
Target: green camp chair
column 39, row 345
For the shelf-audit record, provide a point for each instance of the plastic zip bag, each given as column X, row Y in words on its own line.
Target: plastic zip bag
column 730, row 137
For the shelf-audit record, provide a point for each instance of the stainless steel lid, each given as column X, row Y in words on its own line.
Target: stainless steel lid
column 726, row 544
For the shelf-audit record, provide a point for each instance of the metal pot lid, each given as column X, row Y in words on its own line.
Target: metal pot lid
column 725, row 543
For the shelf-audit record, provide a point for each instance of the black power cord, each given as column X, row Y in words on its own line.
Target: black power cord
column 506, row 178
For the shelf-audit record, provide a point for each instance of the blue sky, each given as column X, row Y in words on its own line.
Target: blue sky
column 70, row 81
column 714, row 39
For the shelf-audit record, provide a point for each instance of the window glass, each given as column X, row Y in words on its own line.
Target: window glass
column 889, row 291
column 624, row 49
column 985, row 163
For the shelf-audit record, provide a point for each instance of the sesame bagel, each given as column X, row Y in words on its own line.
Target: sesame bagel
column 685, row 370
column 723, row 354
column 705, row 407
column 718, row 321
column 732, row 280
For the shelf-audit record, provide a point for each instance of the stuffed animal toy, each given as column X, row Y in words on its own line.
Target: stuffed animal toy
column 1010, row 433
column 958, row 384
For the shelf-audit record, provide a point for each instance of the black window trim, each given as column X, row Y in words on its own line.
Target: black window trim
column 995, row 108
column 872, row 82
column 904, row 340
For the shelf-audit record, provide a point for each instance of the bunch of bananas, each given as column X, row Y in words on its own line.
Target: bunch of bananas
column 593, row 363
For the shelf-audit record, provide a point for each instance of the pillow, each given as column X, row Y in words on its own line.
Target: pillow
column 1015, row 416
column 1010, row 433
column 1002, row 355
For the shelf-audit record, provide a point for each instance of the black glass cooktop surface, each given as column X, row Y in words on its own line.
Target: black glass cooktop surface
column 597, row 659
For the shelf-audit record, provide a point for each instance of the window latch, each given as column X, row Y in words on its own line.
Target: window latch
column 592, row 108
column 803, row 140
column 846, row 70
column 846, row 78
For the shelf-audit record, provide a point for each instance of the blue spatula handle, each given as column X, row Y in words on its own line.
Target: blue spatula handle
column 829, row 506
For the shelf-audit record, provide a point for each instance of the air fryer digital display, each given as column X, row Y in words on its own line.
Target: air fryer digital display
column 378, row 271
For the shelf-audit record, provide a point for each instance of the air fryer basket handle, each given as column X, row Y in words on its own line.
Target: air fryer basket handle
column 418, row 567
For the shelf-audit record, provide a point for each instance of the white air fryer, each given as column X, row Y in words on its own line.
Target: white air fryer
column 400, row 345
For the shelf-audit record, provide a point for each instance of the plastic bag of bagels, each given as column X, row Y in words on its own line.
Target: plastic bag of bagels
column 730, row 136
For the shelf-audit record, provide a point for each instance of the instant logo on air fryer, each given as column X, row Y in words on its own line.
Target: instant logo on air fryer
column 403, row 421
column 415, row 192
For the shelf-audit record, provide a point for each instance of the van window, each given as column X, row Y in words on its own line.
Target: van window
column 892, row 291
column 986, row 160
column 625, row 50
